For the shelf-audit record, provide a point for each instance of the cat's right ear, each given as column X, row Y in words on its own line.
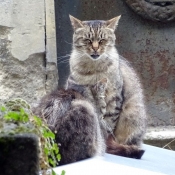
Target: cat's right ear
column 76, row 23
column 112, row 23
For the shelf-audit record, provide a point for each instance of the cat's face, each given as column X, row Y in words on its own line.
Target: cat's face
column 94, row 38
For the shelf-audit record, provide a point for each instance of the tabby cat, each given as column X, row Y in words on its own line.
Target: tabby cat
column 102, row 107
column 93, row 58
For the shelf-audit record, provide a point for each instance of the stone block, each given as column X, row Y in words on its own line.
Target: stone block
column 28, row 66
column 19, row 155
column 163, row 137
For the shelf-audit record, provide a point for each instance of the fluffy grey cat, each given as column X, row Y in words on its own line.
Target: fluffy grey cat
column 75, row 122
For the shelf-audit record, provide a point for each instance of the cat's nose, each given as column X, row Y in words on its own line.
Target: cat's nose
column 95, row 46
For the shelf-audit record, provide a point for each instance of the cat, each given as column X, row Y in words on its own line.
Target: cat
column 93, row 58
column 75, row 122
column 102, row 109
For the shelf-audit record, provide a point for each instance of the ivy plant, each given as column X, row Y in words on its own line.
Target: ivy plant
column 16, row 117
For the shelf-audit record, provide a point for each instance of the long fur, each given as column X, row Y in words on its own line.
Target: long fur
column 88, row 122
column 75, row 123
column 130, row 151
column 125, row 116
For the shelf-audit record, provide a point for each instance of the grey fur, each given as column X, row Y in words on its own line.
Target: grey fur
column 75, row 123
column 102, row 108
column 91, row 61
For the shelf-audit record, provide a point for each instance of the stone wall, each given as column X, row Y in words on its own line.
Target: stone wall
column 147, row 42
column 28, row 66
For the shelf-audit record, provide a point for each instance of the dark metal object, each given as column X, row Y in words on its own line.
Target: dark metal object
column 148, row 45
column 19, row 155
column 156, row 10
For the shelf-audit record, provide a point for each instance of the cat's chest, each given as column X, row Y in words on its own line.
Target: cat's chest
column 113, row 97
column 110, row 93
column 109, row 106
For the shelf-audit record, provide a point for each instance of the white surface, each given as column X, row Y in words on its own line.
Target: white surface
column 156, row 161
column 99, row 166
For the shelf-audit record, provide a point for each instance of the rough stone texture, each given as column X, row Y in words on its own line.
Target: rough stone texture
column 156, row 10
column 51, row 53
column 19, row 155
column 24, row 70
column 163, row 137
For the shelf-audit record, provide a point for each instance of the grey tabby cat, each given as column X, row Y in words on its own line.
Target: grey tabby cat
column 93, row 58
column 102, row 107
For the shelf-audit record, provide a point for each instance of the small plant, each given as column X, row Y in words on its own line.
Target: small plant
column 16, row 117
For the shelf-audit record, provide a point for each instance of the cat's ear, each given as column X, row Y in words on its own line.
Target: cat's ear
column 112, row 23
column 76, row 23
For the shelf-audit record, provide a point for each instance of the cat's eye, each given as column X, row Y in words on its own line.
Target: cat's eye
column 88, row 41
column 101, row 41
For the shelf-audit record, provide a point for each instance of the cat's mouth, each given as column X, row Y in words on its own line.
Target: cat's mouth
column 95, row 56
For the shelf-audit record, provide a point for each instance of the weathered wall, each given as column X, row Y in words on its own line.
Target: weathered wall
column 27, row 64
column 148, row 45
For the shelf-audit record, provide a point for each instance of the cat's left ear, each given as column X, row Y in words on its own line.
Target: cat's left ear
column 112, row 23
column 76, row 23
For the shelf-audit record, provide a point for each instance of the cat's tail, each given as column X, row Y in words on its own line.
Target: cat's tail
column 130, row 151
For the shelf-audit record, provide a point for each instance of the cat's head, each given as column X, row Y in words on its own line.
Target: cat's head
column 94, row 38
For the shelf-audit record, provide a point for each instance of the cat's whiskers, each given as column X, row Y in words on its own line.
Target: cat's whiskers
column 64, row 56
column 68, row 43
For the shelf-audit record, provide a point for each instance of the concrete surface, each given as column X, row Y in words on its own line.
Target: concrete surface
column 163, row 137
column 155, row 161
column 27, row 56
column 51, row 51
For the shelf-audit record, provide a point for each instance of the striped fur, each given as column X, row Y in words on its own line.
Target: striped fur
column 102, row 107
column 93, row 58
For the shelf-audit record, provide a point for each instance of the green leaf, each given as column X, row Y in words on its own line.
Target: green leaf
column 12, row 116
column 52, row 162
column 46, row 151
column 55, row 146
column 22, row 111
column 48, row 134
column 53, row 172
column 24, row 117
column 37, row 120
column 3, row 109
column 63, row 172
column 58, row 157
